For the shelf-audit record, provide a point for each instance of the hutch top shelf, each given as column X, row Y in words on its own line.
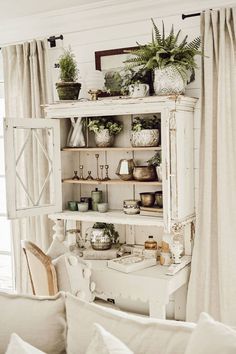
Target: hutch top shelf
column 122, row 106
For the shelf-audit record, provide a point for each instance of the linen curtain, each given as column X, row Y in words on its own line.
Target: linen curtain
column 212, row 286
column 27, row 87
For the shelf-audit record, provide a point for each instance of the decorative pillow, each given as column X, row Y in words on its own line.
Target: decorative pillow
column 211, row 337
column 104, row 342
column 141, row 335
column 18, row 346
column 39, row 320
column 56, row 249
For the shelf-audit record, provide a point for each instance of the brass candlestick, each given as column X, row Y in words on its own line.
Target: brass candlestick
column 89, row 178
column 75, row 177
column 81, row 167
column 106, row 177
column 97, row 157
column 101, row 168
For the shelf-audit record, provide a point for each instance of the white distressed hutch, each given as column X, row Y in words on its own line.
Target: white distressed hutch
column 177, row 120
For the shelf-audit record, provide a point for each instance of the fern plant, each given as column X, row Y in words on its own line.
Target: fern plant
column 165, row 51
column 68, row 67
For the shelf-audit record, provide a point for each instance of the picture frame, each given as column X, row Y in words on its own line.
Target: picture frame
column 111, row 59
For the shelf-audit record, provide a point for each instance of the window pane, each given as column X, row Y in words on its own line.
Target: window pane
column 5, row 272
column 34, row 167
column 2, row 196
column 2, row 158
column 5, row 242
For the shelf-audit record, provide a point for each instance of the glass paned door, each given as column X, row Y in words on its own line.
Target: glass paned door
column 33, row 172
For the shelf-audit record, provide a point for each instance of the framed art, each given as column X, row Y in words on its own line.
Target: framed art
column 111, row 59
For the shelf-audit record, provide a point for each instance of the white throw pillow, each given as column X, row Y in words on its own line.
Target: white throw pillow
column 104, row 342
column 141, row 335
column 18, row 346
column 40, row 320
column 211, row 337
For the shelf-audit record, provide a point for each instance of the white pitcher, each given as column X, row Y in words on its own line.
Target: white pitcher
column 138, row 90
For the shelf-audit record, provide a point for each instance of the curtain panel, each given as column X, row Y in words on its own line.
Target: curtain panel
column 27, row 88
column 212, row 286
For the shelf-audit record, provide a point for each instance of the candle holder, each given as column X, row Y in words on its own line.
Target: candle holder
column 75, row 177
column 89, row 177
column 101, row 168
column 107, row 178
column 81, row 167
column 97, row 157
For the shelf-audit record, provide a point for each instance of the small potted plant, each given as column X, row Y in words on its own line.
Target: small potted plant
column 145, row 131
column 68, row 88
column 155, row 160
column 171, row 62
column 135, row 83
column 103, row 235
column 104, row 129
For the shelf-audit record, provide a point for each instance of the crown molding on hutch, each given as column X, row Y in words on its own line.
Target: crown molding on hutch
column 95, row 15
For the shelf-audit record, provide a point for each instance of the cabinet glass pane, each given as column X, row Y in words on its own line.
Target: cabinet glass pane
column 2, row 160
column 34, row 167
column 2, row 196
column 5, row 272
column 5, row 241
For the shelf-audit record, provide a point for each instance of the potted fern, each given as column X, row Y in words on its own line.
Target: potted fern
column 104, row 129
column 171, row 62
column 68, row 88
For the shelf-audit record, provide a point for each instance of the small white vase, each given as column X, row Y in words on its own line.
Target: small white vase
column 168, row 81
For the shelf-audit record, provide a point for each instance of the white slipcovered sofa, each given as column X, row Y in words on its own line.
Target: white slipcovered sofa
column 65, row 324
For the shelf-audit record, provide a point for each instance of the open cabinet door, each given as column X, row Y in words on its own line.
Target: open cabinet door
column 33, row 166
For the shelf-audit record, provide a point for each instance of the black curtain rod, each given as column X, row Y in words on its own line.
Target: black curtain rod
column 52, row 40
column 190, row 15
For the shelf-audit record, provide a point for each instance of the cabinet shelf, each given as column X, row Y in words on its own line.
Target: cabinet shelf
column 112, row 216
column 112, row 182
column 96, row 149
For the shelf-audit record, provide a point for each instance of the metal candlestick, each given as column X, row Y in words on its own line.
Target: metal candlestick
column 101, row 168
column 81, row 167
column 106, row 177
column 97, row 157
column 75, row 177
column 89, row 178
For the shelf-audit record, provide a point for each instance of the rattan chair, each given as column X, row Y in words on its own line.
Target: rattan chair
column 42, row 272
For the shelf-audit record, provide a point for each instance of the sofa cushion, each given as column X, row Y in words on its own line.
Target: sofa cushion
column 40, row 321
column 17, row 345
column 211, row 337
column 104, row 342
column 141, row 335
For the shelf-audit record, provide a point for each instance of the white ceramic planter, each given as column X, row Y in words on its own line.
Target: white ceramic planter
column 146, row 137
column 104, row 139
column 168, row 81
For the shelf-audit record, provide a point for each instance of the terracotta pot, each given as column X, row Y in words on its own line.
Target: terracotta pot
column 68, row 90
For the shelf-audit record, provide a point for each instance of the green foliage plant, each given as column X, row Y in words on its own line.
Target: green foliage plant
column 109, row 229
column 140, row 123
column 98, row 124
column 155, row 160
column 68, row 67
column 166, row 51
